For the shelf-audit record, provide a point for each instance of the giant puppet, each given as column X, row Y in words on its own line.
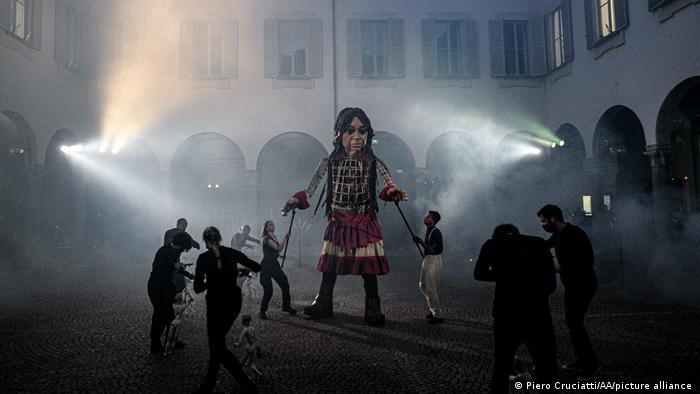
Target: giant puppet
column 353, row 242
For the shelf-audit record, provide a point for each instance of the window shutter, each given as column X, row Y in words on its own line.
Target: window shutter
column 61, row 29
column 591, row 30
column 5, row 16
column 429, row 48
column 271, row 34
column 537, row 50
column 354, row 50
column 397, row 59
column 87, row 51
column 229, row 29
column 187, row 49
column 496, row 48
column 37, row 8
column 620, row 13
column 549, row 41
column 567, row 30
column 314, row 54
column 470, row 39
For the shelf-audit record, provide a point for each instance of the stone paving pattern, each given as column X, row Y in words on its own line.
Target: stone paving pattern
column 79, row 327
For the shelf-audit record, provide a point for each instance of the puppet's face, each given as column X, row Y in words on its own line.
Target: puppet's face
column 354, row 137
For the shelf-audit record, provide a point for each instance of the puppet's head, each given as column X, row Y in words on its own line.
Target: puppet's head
column 353, row 131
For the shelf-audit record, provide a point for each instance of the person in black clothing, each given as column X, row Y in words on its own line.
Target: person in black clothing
column 271, row 270
column 431, row 270
column 523, row 270
column 181, row 226
column 575, row 257
column 216, row 272
column 161, row 289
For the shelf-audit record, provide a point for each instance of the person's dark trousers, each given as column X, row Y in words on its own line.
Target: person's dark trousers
column 220, row 318
column 576, row 303
column 268, row 273
column 537, row 333
column 163, row 313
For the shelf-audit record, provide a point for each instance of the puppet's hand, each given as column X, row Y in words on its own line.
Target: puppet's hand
column 397, row 194
column 289, row 205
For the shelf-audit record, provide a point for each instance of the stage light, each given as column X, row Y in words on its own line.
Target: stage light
column 103, row 149
column 561, row 143
column 554, row 145
column 209, row 186
column 534, row 151
column 65, row 148
column 115, row 150
column 216, row 186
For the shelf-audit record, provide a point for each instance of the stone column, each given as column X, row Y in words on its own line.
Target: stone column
column 658, row 155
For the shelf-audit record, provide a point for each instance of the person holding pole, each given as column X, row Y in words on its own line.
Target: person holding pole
column 271, row 269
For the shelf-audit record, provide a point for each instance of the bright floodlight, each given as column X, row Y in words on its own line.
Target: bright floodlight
column 554, row 145
column 103, row 149
column 65, row 148
column 534, row 151
column 216, row 186
column 561, row 143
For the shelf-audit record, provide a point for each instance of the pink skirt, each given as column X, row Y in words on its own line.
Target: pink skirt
column 353, row 245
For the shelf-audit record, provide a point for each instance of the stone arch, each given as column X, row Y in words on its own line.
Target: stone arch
column 678, row 133
column 208, row 182
column 17, row 149
column 455, row 182
column 285, row 165
column 621, row 196
column 61, row 186
column 399, row 158
column 568, row 168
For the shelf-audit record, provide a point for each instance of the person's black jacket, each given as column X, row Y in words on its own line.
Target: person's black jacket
column 575, row 257
column 220, row 283
column 523, row 270
column 164, row 268
column 168, row 237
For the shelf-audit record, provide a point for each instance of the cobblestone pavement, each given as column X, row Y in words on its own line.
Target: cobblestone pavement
column 84, row 328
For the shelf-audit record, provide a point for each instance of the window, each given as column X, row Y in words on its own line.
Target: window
column 22, row 19
column 73, row 39
column 375, row 48
column 558, row 30
column 374, row 42
column 515, row 46
column 604, row 18
column 293, row 49
column 450, row 48
column 557, row 39
column 587, row 206
column 209, row 49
